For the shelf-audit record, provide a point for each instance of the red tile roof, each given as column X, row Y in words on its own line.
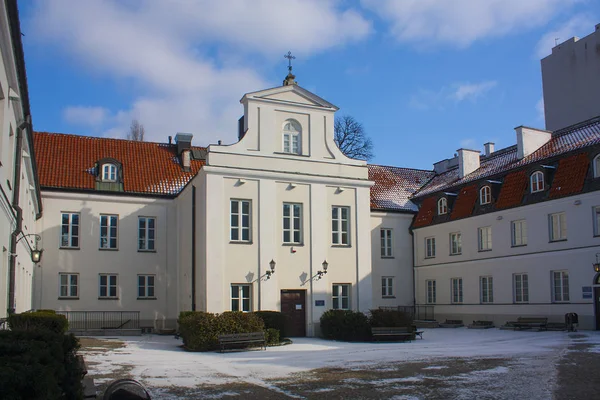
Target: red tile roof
column 570, row 175
column 394, row 186
column 463, row 206
column 513, row 189
column 68, row 162
column 426, row 212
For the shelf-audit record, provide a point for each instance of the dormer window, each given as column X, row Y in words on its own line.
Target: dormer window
column 109, row 173
column 442, row 206
column 485, row 195
column 537, row 182
column 596, row 166
column 291, row 137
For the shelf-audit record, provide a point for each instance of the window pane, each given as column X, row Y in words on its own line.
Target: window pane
column 336, row 303
column 235, row 292
column 345, row 303
column 234, row 207
column 246, row 305
column 150, row 291
column 245, row 234
column 344, row 290
column 235, row 305
column 245, row 207
column 245, row 291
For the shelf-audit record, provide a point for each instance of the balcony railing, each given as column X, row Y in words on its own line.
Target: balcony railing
column 91, row 320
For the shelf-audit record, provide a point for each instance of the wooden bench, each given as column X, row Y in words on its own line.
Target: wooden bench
column 530, row 322
column 245, row 339
column 452, row 323
column 403, row 333
column 481, row 325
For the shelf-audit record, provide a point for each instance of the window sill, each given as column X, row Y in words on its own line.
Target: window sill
column 240, row 242
column 108, row 298
column 562, row 302
column 519, row 245
column 388, row 257
column 68, row 248
column 342, row 246
column 484, row 250
column 107, row 249
column 429, row 258
column 299, row 244
column 388, row 297
column 68, row 298
column 146, row 298
column 456, row 254
column 146, row 251
column 557, row 240
column 520, row 302
column 283, row 153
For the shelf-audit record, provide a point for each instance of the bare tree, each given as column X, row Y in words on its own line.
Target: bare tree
column 351, row 138
column 136, row 131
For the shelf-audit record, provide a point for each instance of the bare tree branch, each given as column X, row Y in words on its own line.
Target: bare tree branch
column 136, row 131
column 351, row 138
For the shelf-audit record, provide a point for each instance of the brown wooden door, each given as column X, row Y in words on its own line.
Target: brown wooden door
column 597, row 301
column 293, row 304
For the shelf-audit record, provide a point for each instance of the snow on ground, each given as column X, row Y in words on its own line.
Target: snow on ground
column 159, row 361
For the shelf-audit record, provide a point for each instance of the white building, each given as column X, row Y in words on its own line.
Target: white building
column 20, row 204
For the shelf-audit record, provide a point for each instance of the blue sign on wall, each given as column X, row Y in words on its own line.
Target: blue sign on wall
column 586, row 292
column 319, row 303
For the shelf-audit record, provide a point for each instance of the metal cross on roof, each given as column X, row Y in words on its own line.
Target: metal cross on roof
column 290, row 57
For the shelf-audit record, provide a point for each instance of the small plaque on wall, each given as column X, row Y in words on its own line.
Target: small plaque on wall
column 319, row 303
column 586, row 292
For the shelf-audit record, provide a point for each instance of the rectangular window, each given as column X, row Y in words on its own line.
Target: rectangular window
column 340, row 225
column 108, row 286
column 560, row 286
column 487, row 289
column 387, row 286
column 455, row 243
column 386, row 242
column 239, row 221
column 519, row 232
column 292, row 223
column 431, row 292
column 69, row 285
column 341, row 296
column 430, row 247
column 485, row 238
column 521, row 288
column 146, row 286
column 457, row 290
column 558, row 226
column 240, row 298
column 69, row 236
column 146, row 233
column 597, row 219
column 108, row 231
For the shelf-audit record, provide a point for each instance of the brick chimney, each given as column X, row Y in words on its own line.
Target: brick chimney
column 530, row 139
column 184, row 146
column 468, row 161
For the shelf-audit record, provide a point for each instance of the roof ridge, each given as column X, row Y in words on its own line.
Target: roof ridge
column 393, row 166
column 110, row 138
column 571, row 128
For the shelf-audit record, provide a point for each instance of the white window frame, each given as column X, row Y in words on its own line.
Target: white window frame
column 596, row 166
column 146, row 234
column 455, row 243
column 557, row 226
column 430, row 247
column 486, row 291
column 337, row 234
column 146, row 286
column 485, row 195
column 518, row 231
column 294, row 222
column 560, row 291
column 521, row 288
column 484, row 238
column 108, row 286
column 442, row 206
column 71, row 289
column 244, row 300
column 430, row 291
column 105, row 239
column 70, row 226
column 387, row 286
column 456, row 291
column 109, row 172
column 536, row 182
column 292, row 138
column 386, row 238
column 596, row 217
column 240, row 222
column 337, row 293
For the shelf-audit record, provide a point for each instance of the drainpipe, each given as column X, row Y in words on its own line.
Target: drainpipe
column 14, row 237
column 193, row 247
column 412, row 234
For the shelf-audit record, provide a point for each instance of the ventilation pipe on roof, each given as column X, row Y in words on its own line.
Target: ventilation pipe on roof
column 489, row 148
column 530, row 139
column 468, row 161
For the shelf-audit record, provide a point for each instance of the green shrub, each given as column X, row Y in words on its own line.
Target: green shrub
column 275, row 320
column 34, row 321
column 200, row 331
column 345, row 325
column 389, row 318
column 39, row 365
column 46, row 311
column 272, row 336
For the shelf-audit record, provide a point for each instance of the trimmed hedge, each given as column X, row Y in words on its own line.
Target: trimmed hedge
column 275, row 320
column 345, row 325
column 39, row 365
column 272, row 336
column 38, row 320
column 389, row 319
column 200, row 331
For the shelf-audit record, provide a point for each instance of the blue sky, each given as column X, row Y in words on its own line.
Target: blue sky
column 425, row 77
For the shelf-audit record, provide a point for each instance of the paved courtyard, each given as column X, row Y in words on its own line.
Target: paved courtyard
column 446, row 364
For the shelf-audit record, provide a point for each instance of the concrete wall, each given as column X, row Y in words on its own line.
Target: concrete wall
column 571, row 81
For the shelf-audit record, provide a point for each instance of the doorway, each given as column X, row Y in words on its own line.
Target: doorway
column 293, row 304
column 597, row 300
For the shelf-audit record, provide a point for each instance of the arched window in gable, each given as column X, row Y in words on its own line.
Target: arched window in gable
column 442, row 206
column 537, row 182
column 485, row 195
column 596, row 165
column 292, row 136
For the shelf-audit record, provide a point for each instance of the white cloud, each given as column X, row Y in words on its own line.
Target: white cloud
column 578, row 25
column 472, row 91
column 166, row 49
column 85, row 116
column 459, row 23
column 426, row 99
